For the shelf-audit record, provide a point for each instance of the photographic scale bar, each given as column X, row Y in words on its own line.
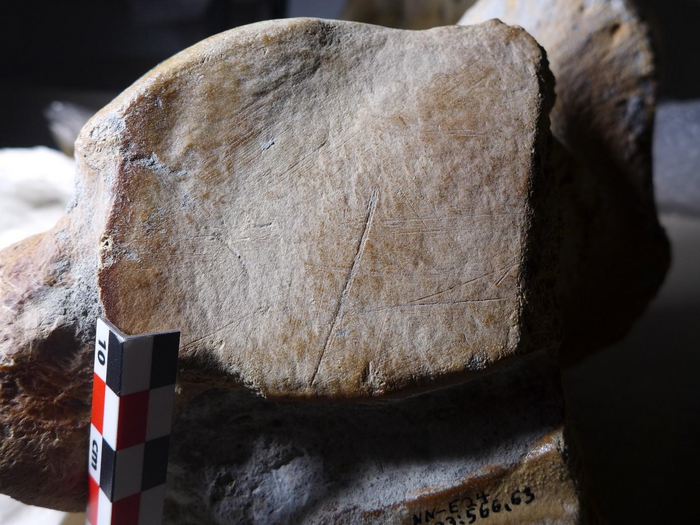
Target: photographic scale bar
column 132, row 404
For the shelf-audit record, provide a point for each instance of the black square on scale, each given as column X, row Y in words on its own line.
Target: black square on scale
column 155, row 462
column 164, row 360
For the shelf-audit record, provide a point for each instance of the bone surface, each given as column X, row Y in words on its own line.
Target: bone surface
column 324, row 209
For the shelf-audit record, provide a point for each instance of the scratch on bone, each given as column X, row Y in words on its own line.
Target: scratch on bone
column 226, row 326
column 154, row 164
column 438, row 303
column 371, row 209
column 5, row 279
column 505, row 274
column 464, row 283
column 9, row 309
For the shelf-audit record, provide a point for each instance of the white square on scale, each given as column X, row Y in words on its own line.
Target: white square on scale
column 160, row 411
column 110, row 421
column 136, row 365
column 151, row 505
column 104, row 510
column 128, row 471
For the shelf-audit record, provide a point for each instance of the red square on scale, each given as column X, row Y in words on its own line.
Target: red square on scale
column 133, row 419
column 93, row 500
column 126, row 511
column 98, row 402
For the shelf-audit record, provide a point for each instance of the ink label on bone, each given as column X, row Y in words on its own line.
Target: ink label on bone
column 477, row 507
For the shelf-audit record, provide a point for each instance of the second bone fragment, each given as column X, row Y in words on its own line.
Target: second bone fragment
column 615, row 253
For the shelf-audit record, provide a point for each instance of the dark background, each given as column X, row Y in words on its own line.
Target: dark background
column 88, row 51
column 636, row 404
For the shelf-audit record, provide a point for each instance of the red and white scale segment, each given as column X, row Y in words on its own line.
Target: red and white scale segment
column 133, row 393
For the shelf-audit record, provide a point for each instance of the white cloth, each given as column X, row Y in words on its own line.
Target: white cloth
column 35, row 187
